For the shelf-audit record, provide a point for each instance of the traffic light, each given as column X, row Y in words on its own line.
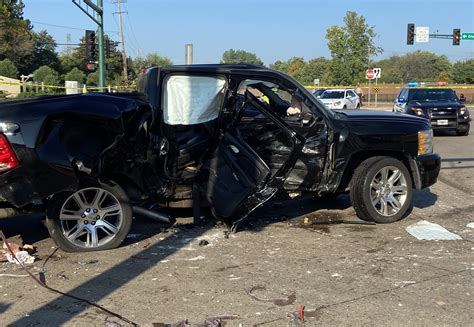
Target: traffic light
column 90, row 45
column 411, row 34
column 456, row 36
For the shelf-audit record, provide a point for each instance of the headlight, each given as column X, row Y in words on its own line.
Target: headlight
column 337, row 103
column 425, row 142
column 462, row 111
column 417, row 111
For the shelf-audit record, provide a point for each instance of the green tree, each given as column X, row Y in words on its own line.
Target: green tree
column 232, row 56
column 315, row 68
column 349, row 46
column 415, row 66
column 46, row 75
column 93, row 78
column 463, row 71
column 75, row 75
column 16, row 41
column 68, row 62
column 151, row 60
column 8, row 69
column 44, row 52
column 281, row 66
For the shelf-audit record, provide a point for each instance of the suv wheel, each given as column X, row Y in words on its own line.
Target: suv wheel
column 96, row 217
column 463, row 133
column 381, row 190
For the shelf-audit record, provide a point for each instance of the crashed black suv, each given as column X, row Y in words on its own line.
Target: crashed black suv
column 225, row 136
column 440, row 106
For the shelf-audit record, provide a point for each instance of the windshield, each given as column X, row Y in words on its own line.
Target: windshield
column 433, row 95
column 333, row 95
column 318, row 92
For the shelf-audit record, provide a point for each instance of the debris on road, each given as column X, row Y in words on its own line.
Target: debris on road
column 22, row 253
column 439, row 302
column 203, row 243
column 84, row 262
column 217, row 321
column 424, row 230
column 21, row 257
column 286, row 299
column 134, row 235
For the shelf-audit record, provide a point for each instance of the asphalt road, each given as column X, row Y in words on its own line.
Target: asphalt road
column 345, row 274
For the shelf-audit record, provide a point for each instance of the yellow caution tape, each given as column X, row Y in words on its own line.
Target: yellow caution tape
column 63, row 87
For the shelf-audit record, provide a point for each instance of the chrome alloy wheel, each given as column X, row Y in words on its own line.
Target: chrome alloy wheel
column 91, row 217
column 388, row 191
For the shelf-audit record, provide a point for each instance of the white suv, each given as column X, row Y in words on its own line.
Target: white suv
column 340, row 99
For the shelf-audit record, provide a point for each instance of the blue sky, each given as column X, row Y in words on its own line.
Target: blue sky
column 273, row 29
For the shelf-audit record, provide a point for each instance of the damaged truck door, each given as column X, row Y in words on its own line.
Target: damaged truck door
column 234, row 178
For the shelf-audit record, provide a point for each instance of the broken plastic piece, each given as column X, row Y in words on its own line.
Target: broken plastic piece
column 84, row 262
column 424, row 230
column 23, row 258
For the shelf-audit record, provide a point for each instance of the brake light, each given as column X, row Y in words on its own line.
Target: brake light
column 8, row 159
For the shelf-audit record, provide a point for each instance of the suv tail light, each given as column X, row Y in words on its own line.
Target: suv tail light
column 8, row 159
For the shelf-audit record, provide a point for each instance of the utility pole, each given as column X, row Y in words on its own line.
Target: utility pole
column 188, row 54
column 124, row 56
column 100, row 18
column 97, row 16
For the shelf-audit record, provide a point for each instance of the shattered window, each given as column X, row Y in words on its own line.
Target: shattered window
column 280, row 100
column 189, row 100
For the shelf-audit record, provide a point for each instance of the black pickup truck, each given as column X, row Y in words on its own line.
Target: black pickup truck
column 226, row 136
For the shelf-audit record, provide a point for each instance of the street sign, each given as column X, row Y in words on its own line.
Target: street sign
column 467, row 36
column 378, row 72
column 316, row 81
column 376, row 89
column 369, row 74
column 422, row 34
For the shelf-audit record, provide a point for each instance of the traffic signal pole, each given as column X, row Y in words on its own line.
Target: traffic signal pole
column 100, row 18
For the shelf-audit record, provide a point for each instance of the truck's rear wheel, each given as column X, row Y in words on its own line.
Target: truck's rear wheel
column 96, row 217
column 381, row 190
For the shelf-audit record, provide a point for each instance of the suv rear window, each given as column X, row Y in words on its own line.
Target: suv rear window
column 432, row 95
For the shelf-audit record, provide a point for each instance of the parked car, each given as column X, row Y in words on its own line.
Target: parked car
column 200, row 135
column 440, row 106
column 340, row 99
column 317, row 93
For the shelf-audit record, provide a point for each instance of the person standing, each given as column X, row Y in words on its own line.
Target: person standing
column 359, row 93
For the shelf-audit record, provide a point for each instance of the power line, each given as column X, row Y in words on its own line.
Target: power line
column 67, row 27
column 136, row 42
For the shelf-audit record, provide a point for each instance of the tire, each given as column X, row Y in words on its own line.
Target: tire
column 463, row 133
column 365, row 189
column 110, row 219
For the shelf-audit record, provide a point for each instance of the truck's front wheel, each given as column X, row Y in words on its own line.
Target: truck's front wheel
column 381, row 190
